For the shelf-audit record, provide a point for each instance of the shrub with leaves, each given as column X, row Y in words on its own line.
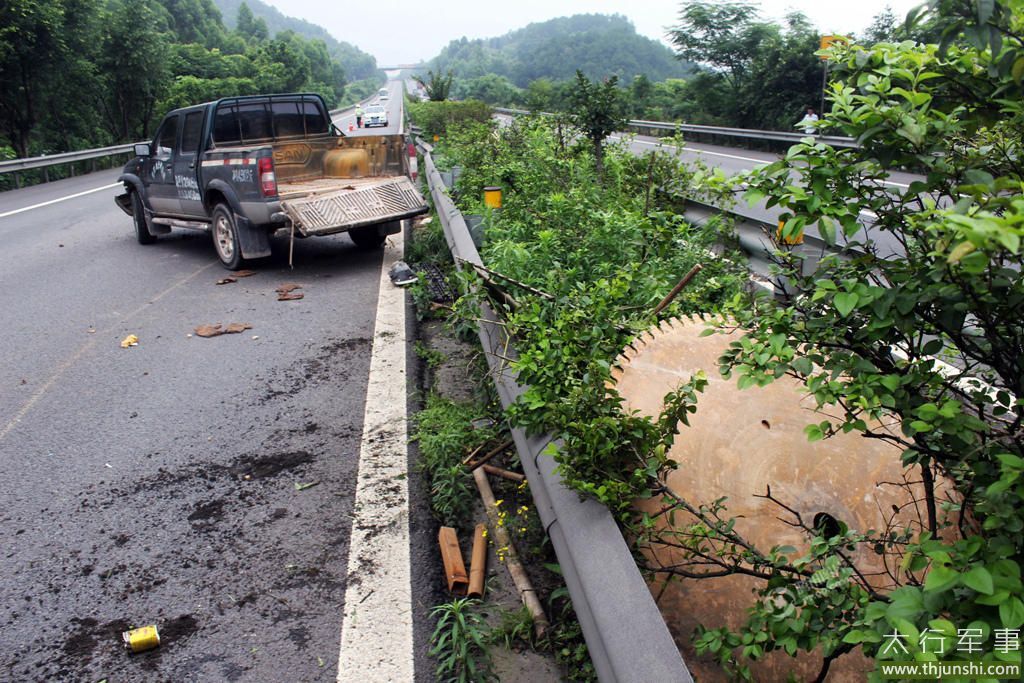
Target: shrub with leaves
column 604, row 255
column 435, row 118
column 918, row 317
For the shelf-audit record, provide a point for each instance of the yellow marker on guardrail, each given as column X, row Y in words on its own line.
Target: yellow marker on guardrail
column 492, row 197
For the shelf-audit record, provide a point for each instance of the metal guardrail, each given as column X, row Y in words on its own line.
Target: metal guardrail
column 16, row 166
column 748, row 133
column 625, row 632
column 63, row 158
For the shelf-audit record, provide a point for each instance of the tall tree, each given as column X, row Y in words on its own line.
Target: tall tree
column 72, row 118
column 640, row 91
column 249, row 25
column 756, row 73
column 31, row 38
column 195, row 21
column 724, row 36
column 882, row 28
column 598, row 112
column 134, row 61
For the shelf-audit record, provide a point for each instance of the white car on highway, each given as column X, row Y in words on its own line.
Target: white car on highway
column 375, row 115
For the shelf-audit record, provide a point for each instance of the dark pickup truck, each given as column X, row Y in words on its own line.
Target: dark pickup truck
column 244, row 167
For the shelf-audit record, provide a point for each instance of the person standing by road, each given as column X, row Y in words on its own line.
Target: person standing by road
column 359, row 116
column 808, row 121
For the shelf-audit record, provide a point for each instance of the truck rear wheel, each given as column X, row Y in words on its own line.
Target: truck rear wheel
column 367, row 238
column 142, row 233
column 225, row 237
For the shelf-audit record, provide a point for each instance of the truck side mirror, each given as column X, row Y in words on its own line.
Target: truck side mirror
column 142, row 149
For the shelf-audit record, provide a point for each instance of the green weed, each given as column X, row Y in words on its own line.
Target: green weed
column 460, row 643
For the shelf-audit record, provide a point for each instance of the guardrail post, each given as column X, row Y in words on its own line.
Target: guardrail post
column 46, row 174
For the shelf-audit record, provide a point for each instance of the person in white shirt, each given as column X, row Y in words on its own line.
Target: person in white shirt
column 808, row 121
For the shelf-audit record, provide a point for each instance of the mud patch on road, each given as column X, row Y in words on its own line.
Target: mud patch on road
column 208, row 512
column 270, row 465
column 178, row 629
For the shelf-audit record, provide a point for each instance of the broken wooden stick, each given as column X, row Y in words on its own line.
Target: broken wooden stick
column 519, row 283
column 469, row 458
column 451, row 555
column 515, row 568
column 504, row 474
column 678, row 288
column 490, row 455
column 478, row 563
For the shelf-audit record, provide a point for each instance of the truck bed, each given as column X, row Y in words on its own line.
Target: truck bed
column 328, row 185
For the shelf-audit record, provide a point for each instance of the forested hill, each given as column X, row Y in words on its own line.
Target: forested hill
column 358, row 64
column 599, row 45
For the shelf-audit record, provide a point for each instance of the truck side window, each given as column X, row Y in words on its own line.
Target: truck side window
column 191, row 132
column 287, row 120
column 165, row 138
column 225, row 126
column 255, row 121
column 316, row 122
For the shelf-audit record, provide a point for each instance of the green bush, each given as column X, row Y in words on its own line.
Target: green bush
column 436, row 118
column 445, row 434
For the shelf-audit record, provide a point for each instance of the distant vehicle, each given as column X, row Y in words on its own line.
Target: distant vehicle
column 242, row 168
column 383, row 93
column 376, row 115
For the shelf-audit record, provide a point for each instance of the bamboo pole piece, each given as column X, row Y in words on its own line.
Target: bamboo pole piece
column 469, row 458
column 490, row 455
column 678, row 288
column 454, row 569
column 512, row 563
column 504, row 474
column 478, row 563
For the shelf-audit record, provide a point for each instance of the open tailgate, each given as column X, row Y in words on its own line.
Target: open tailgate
column 338, row 211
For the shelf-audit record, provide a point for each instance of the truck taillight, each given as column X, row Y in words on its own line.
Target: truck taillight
column 412, row 150
column 268, row 181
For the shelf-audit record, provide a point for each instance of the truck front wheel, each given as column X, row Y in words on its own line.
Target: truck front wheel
column 367, row 238
column 142, row 233
column 225, row 237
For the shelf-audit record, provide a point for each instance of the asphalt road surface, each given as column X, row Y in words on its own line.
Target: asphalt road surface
column 204, row 485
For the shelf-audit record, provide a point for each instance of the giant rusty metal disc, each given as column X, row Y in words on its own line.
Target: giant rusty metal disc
column 738, row 443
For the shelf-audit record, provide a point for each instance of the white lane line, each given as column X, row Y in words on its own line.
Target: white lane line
column 376, row 631
column 694, row 150
column 59, row 199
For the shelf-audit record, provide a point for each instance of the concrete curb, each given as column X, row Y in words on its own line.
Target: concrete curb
column 625, row 633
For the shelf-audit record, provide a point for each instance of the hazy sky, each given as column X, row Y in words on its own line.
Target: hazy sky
column 413, row 30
